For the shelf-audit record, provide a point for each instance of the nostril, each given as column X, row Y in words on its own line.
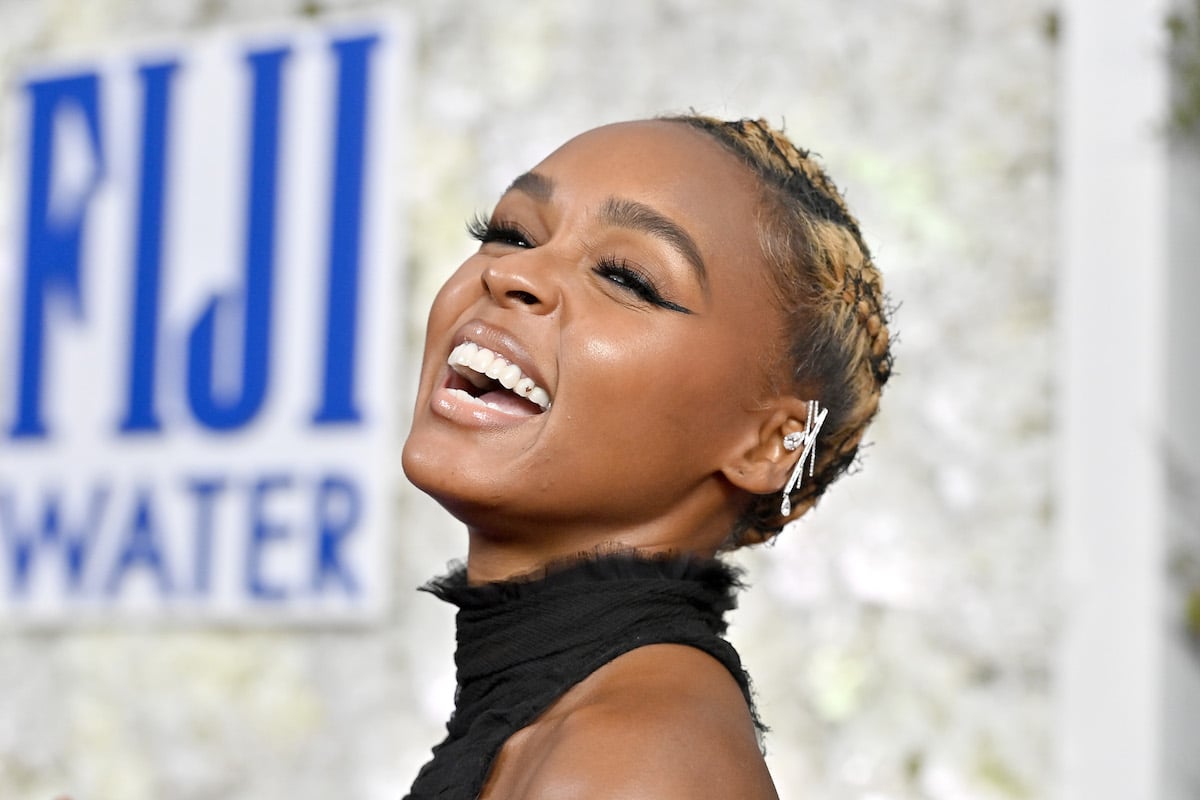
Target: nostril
column 523, row 296
column 515, row 281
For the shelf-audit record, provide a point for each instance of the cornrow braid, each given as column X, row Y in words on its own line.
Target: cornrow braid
column 833, row 300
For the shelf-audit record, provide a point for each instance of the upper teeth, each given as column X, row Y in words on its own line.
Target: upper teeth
column 488, row 365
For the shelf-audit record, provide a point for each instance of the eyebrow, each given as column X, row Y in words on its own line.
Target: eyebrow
column 621, row 213
column 534, row 184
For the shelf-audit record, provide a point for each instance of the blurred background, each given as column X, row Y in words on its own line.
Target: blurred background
column 1004, row 603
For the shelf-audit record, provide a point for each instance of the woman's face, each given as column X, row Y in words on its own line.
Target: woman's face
column 620, row 287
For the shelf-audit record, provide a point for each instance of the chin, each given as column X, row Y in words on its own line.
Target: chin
column 423, row 464
column 433, row 467
column 469, row 491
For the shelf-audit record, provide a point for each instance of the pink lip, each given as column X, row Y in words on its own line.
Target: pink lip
column 501, row 341
column 446, row 404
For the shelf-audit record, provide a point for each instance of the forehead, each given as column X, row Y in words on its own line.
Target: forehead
column 655, row 158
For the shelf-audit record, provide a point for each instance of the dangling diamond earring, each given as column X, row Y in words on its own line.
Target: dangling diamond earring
column 808, row 438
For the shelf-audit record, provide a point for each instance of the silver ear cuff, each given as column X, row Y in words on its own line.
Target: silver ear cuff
column 808, row 439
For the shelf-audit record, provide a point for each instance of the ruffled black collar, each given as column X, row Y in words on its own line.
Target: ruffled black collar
column 523, row 643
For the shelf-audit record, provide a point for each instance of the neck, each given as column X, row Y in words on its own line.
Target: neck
column 492, row 557
column 487, row 561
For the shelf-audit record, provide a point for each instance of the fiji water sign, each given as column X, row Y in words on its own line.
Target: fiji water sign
column 199, row 301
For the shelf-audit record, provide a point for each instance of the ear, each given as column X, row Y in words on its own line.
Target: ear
column 764, row 466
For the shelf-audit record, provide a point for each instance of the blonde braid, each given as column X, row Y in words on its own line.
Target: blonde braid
column 832, row 296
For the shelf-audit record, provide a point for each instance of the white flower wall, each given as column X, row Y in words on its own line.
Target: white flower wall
column 900, row 637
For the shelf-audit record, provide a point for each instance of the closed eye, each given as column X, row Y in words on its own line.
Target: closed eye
column 488, row 231
column 626, row 275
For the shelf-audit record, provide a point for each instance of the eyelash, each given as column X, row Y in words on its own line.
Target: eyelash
column 619, row 271
column 486, row 231
column 616, row 270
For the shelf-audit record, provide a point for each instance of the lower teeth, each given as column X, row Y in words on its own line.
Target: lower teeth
column 475, row 400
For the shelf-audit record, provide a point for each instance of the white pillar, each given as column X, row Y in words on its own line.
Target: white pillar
column 1112, row 399
column 1181, row 439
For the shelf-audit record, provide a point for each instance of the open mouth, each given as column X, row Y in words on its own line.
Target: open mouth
column 487, row 378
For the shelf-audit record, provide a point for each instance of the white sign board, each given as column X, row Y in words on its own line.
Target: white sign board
column 199, row 315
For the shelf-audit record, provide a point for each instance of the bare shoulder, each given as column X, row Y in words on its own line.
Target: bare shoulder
column 663, row 721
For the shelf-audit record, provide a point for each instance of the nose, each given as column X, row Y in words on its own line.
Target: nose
column 522, row 280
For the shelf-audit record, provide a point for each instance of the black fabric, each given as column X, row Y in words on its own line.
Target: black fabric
column 522, row 644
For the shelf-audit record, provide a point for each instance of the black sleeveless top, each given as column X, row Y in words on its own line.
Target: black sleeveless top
column 522, row 644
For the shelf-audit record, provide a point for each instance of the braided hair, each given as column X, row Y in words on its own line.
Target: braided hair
column 833, row 301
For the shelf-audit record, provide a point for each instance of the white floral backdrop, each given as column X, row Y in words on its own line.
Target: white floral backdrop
column 900, row 637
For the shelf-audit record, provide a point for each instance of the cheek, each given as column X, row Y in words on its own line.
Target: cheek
column 456, row 294
column 671, row 396
column 463, row 286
